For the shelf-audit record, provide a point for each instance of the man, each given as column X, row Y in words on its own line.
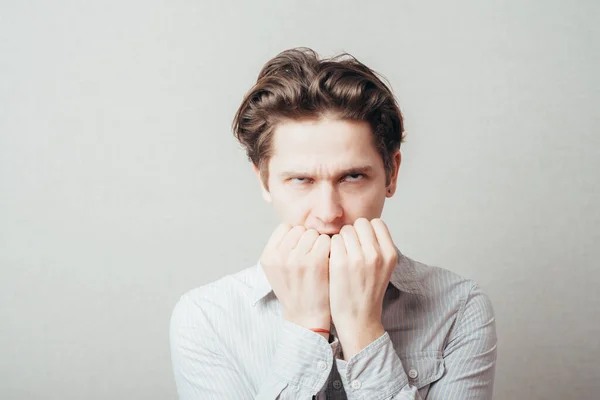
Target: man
column 333, row 309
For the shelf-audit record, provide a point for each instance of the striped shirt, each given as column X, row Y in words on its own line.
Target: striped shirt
column 230, row 341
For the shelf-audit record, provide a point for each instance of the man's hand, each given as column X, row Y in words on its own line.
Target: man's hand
column 363, row 257
column 296, row 264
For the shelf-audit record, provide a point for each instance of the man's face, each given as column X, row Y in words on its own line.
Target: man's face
column 326, row 173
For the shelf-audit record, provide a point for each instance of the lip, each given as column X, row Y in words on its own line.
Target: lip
column 330, row 234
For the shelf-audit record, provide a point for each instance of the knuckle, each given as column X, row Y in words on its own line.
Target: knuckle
column 372, row 257
column 361, row 221
column 393, row 258
column 377, row 223
column 345, row 230
column 311, row 233
column 297, row 230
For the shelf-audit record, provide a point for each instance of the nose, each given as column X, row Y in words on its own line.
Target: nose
column 328, row 210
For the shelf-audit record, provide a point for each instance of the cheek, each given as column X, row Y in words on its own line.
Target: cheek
column 367, row 204
column 291, row 209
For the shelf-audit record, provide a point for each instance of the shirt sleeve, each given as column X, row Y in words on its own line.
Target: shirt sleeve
column 377, row 373
column 299, row 369
column 470, row 353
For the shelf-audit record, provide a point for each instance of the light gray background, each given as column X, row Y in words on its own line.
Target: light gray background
column 121, row 185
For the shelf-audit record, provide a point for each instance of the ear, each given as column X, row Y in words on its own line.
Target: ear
column 265, row 193
column 391, row 188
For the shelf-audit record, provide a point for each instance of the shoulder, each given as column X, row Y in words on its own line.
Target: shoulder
column 435, row 279
column 215, row 298
column 473, row 319
column 448, row 287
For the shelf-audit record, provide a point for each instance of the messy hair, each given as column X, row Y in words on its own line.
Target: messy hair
column 297, row 84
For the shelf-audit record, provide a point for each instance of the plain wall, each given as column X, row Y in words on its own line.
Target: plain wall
column 122, row 187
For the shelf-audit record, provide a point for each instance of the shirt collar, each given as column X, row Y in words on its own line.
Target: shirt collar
column 404, row 278
column 262, row 286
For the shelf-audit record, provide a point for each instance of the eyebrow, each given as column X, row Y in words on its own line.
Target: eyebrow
column 363, row 169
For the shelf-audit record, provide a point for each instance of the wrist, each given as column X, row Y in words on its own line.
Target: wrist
column 355, row 339
column 312, row 322
column 323, row 332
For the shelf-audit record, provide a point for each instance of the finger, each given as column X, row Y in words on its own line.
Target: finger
column 277, row 236
column 386, row 244
column 366, row 235
column 291, row 239
column 321, row 246
column 338, row 247
column 306, row 242
column 351, row 242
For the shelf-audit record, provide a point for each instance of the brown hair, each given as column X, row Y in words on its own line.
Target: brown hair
column 296, row 84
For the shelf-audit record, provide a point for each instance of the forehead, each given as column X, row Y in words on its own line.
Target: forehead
column 326, row 143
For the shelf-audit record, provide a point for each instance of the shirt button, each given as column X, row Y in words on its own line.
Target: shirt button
column 413, row 373
column 337, row 385
column 322, row 365
column 355, row 385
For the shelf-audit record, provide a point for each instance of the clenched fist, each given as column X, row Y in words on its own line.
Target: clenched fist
column 296, row 264
column 363, row 257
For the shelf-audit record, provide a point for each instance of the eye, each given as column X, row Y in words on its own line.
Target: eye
column 354, row 177
column 300, row 180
